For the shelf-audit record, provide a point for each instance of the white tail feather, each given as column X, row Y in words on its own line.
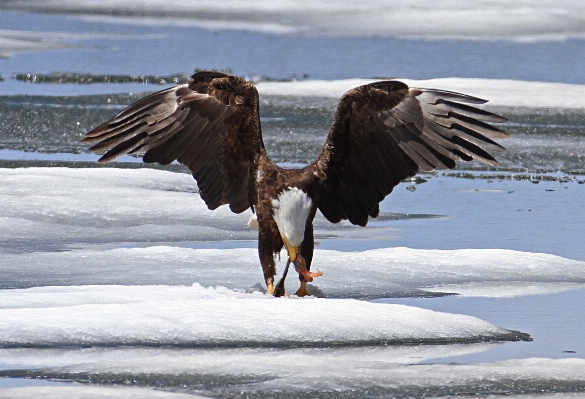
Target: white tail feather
column 291, row 213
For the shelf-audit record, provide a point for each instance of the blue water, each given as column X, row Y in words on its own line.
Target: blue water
column 557, row 332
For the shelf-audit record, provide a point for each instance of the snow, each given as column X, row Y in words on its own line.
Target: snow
column 393, row 371
column 101, row 208
column 65, row 226
column 100, row 288
column 253, row 360
column 519, row 20
column 195, row 316
column 506, row 289
column 371, row 273
column 499, row 92
column 107, row 205
column 90, row 392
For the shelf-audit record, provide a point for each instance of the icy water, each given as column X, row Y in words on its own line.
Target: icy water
column 471, row 282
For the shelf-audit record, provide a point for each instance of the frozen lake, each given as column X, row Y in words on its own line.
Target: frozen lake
column 117, row 282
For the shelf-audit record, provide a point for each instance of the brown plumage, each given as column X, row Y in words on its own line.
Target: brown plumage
column 382, row 133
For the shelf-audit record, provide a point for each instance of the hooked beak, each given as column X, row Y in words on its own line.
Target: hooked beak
column 292, row 251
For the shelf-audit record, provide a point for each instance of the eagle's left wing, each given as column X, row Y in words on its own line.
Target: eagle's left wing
column 211, row 125
column 385, row 132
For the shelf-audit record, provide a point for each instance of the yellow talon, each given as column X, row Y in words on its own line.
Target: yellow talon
column 302, row 291
column 270, row 289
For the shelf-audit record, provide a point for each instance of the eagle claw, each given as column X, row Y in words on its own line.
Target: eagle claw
column 301, row 268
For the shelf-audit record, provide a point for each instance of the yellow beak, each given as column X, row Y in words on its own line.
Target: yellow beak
column 292, row 251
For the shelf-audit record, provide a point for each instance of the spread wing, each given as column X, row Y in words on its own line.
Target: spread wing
column 210, row 124
column 385, row 132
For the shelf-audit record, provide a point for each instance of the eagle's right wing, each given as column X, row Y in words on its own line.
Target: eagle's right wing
column 385, row 132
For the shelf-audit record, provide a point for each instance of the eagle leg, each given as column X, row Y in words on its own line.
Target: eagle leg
column 305, row 275
column 303, row 266
column 267, row 262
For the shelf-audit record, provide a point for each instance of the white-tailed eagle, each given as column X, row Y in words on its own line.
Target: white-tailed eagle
column 382, row 133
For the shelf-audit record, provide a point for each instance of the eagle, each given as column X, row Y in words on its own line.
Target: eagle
column 381, row 134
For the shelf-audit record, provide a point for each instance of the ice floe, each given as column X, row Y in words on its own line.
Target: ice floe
column 352, row 372
column 90, row 205
column 197, row 316
column 65, row 226
column 361, row 274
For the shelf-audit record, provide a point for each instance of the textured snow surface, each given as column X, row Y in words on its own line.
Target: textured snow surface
column 53, row 205
column 90, row 392
column 82, row 213
column 387, row 371
column 372, row 273
column 162, row 315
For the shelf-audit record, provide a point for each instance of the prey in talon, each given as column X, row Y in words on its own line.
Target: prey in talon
column 301, row 269
column 305, row 276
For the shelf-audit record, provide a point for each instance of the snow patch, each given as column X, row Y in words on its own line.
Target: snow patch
column 363, row 274
column 402, row 371
column 194, row 316
column 47, row 210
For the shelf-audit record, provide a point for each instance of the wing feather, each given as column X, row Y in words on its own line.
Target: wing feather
column 207, row 179
column 206, row 153
column 210, row 124
column 380, row 168
column 169, row 150
column 430, row 150
column 385, row 132
column 448, row 108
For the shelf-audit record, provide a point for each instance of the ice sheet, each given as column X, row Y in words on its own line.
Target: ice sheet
column 351, row 372
column 90, row 392
column 253, row 360
column 197, row 316
column 499, row 92
column 551, row 20
column 361, row 274
column 66, row 226
column 53, row 205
